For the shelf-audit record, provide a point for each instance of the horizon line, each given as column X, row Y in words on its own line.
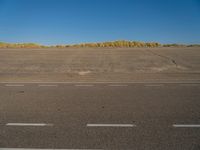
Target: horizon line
column 79, row 43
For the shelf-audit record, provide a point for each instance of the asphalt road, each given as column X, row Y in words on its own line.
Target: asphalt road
column 143, row 116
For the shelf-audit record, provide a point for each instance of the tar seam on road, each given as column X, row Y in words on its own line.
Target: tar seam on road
column 111, row 125
column 186, row 125
column 29, row 124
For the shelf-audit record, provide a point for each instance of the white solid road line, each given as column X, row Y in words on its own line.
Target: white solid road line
column 43, row 85
column 111, row 125
column 14, row 85
column 42, row 149
column 186, row 125
column 29, row 124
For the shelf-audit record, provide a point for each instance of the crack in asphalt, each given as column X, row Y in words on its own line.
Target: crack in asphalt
column 165, row 57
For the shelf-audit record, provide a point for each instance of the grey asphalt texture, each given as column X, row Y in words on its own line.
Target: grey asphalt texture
column 153, row 108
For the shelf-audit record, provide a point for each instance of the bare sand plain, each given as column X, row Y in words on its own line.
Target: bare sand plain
column 100, row 64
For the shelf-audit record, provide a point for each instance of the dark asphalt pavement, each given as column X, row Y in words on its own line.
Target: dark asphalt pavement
column 56, row 115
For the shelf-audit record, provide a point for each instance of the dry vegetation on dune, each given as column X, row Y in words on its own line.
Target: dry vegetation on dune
column 118, row 44
column 103, row 44
column 20, row 45
column 114, row 44
column 181, row 45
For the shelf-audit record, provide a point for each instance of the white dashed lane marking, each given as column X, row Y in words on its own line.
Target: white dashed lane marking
column 118, row 85
column 186, row 125
column 189, row 84
column 47, row 85
column 84, row 85
column 15, row 85
column 154, row 85
column 29, row 124
column 112, row 125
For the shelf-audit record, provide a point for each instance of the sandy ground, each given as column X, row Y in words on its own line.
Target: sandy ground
column 99, row 64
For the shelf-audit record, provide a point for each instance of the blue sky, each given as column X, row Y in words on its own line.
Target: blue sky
column 74, row 21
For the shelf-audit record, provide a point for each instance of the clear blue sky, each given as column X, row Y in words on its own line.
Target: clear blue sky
column 74, row 21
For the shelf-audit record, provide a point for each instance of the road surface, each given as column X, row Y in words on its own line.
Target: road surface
column 153, row 116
